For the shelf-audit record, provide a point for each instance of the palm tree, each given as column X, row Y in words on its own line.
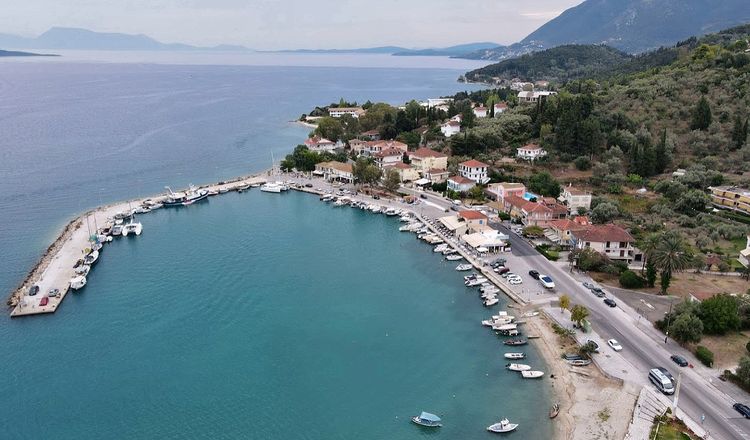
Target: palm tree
column 670, row 256
column 648, row 246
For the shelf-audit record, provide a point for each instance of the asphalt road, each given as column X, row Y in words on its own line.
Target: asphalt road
column 644, row 346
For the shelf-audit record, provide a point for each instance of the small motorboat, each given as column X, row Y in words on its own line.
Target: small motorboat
column 554, row 411
column 223, row 190
column 504, row 327
column 464, row 267
column 579, row 362
column 77, row 282
column 475, row 282
column 491, row 302
column 532, row 374
column 515, row 342
column 518, row 367
column 116, row 230
column 91, row 258
column 390, row 212
column 427, row 419
column 515, row 355
column 531, row 314
column 503, row 426
column 83, row 269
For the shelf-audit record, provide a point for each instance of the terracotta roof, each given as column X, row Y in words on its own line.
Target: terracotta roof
column 534, row 147
column 316, row 140
column 518, row 202
column 472, row 215
column 567, row 225
column 474, row 164
column 603, row 233
column 388, row 144
column 400, row 165
column 536, row 207
column 501, row 105
column 345, row 109
column 389, row 152
column 345, row 167
column 426, row 152
column 481, row 109
column 460, row 179
column 452, row 124
column 371, row 132
column 436, row 171
column 582, row 220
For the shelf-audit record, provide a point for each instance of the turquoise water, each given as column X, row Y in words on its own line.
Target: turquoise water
column 264, row 316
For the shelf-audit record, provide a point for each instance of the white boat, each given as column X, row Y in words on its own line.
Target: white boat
column 223, row 190
column 83, row 269
column 391, row 212
column 282, row 185
column 405, row 218
column 77, row 282
column 271, row 188
column 427, row 419
column 440, row 248
column 503, row 426
column 491, row 302
column 504, row 327
column 91, row 258
column 530, row 314
column 532, row 374
column 339, row 202
column 454, row 257
column 116, row 230
column 404, row 228
column 488, row 296
column 514, row 356
column 464, row 267
column 327, row 198
column 132, row 228
column 449, row 251
column 475, row 282
column 374, row 208
column 518, row 367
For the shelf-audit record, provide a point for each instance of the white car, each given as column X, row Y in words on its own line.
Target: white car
column 614, row 344
column 515, row 280
column 546, row 281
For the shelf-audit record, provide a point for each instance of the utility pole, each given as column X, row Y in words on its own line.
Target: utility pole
column 676, row 394
column 669, row 319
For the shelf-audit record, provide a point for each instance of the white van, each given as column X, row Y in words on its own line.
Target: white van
column 661, row 381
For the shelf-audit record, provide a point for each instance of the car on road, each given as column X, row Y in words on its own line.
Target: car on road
column 502, row 270
column 546, row 281
column 33, row 290
column 679, row 360
column 515, row 281
column 666, row 372
column 614, row 344
column 588, row 285
column 594, row 345
column 422, row 196
column 598, row 292
column 457, row 202
column 610, row 302
column 742, row 409
column 534, row 274
column 308, row 185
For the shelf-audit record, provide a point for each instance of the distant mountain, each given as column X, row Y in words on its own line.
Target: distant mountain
column 74, row 38
column 15, row 53
column 633, row 26
column 388, row 50
column 452, row 51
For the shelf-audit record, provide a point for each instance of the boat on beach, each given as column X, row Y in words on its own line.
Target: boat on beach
column 554, row 411
column 514, row 355
column 532, row 374
column 579, row 362
column 427, row 419
column 503, row 426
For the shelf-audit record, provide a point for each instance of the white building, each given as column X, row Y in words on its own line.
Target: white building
column 610, row 240
column 744, row 258
column 530, row 152
column 450, row 128
column 533, row 97
column 318, row 144
column 435, row 102
column 575, row 198
column 500, row 108
column 460, row 184
column 474, row 170
column 336, row 171
column 338, row 112
column 480, row 112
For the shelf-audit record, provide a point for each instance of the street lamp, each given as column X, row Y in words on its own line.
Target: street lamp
column 669, row 319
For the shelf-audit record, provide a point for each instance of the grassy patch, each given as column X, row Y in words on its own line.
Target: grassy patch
column 635, row 205
column 604, row 414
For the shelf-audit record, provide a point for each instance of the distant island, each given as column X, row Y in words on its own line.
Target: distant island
column 15, row 53
column 452, row 51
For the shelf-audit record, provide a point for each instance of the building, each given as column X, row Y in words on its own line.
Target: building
column 473, row 218
column 474, row 170
column 542, row 85
column 575, row 198
column 435, row 175
column 405, row 172
column 436, row 102
column 560, row 231
column 530, row 152
column 370, row 148
column 336, row 171
column 370, row 135
column 450, row 128
column 500, row 108
column 318, row 144
column 499, row 191
column 610, row 240
column 731, row 197
column 338, row 112
column 520, row 86
column 424, row 159
column 388, row 157
column 538, row 213
column 744, row 258
column 460, row 184
column 533, row 97
column 480, row 112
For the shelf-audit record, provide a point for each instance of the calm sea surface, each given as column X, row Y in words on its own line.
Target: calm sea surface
column 252, row 315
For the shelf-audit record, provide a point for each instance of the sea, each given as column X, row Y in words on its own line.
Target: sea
column 249, row 316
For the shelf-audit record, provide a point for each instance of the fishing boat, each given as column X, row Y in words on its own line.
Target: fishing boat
column 513, row 342
column 77, row 282
column 517, row 367
column 554, row 411
column 475, row 282
column 464, row 267
column 454, row 257
column 504, row 327
column 503, row 426
column 532, row 374
column 428, row 420
column 514, row 355
column 242, row 188
column 449, row 251
column 190, row 196
column 579, row 362
column 91, row 258
column 271, row 187
column 83, row 269
column 509, row 333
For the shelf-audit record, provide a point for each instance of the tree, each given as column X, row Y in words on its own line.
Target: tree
column 533, row 231
column 578, row 313
column 701, row 115
column 650, row 274
column 663, row 153
column 739, row 133
column 476, row 193
column 564, row 302
column 630, row 280
column 468, row 118
column 604, row 212
column 582, row 163
column 330, row 128
column 692, row 202
column 544, row 184
column 719, row 314
column 686, row 328
column 743, row 370
column 392, row 180
column 365, row 171
column 670, row 256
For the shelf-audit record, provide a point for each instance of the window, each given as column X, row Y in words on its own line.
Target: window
column 607, row 245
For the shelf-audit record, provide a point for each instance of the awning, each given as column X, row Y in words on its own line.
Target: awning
column 422, row 182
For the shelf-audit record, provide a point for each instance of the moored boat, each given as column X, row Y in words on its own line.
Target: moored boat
column 116, row 230
column 491, row 302
column 454, row 257
column 515, row 355
column 503, row 426
column 77, row 282
column 464, row 267
column 513, row 342
column 518, row 367
column 554, row 411
column 83, row 269
column 532, row 374
column 428, row 420
column 271, row 187
column 91, row 258
column 132, row 228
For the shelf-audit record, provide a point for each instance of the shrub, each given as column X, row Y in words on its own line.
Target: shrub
column 704, row 355
column 747, row 347
column 549, row 254
column 503, row 215
column 582, row 163
column 631, row 280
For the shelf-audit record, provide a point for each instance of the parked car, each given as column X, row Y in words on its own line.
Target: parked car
column 502, row 270
column 666, row 372
column 594, row 345
column 44, row 301
column 742, row 409
column 422, row 196
column 598, row 292
column 515, row 281
column 610, row 302
column 33, row 290
column 534, row 274
column 614, row 344
column 457, row 202
column 588, row 285
column 679, row 360
column 546, row 281
column 53, row 292
column 308, row 185
column 376, row 197
column 507, row 274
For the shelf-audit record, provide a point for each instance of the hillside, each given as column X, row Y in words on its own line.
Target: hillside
column 15, row 53
column 452, row 51
column 633, row 26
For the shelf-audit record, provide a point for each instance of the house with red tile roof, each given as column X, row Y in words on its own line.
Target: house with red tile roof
column 474, row 170
column 460, row 184
column 480, row 111
column 610, row 240
column 318, row 144
column 424, row 159
column 560, row 230
column 530, row 152
column 538, row 213
column 405, row 172
column 500, row 108
column 388, row 157
column 450, row 128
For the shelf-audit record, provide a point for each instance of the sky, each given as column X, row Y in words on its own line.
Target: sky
column 291, row 24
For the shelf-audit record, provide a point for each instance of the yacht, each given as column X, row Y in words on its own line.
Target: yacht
column 503, row 426
column 77, row 282
column 132, row 227
column 271, row 187
column 427, row 419
column 491, row 302
column 454, row 257
column 464, row 267
column 116, row 230
column 514, row 356
column 440, row 248
column 91, row 258
column 518, row 367
column 532, row 374
column 188, row 197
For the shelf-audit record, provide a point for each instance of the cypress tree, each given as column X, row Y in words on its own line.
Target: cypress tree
column 661, row 153
column 739, row 133
column 701, row 115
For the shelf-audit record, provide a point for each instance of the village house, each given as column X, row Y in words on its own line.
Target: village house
column 435, row 102
column 539, row 213
column 474, row 170
column 319, row 144
column 731, row 197
column 460, row 184
column 499, row 191
column 533, row 97
column 424, row 159
column 338, row 112
column 559, row 231
column 370, row 135
column 530, row 152
column 610, row 240
column 435, row 175
column 388, row 157
column 450, row 128
column 500, row 108
column 336, row 171
column 541, row 85
column 457, row 118
column 575, row 198
column 520, row 86
column 405, row 172
column 480, row 112
column 744, row 258
column 370, row 148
